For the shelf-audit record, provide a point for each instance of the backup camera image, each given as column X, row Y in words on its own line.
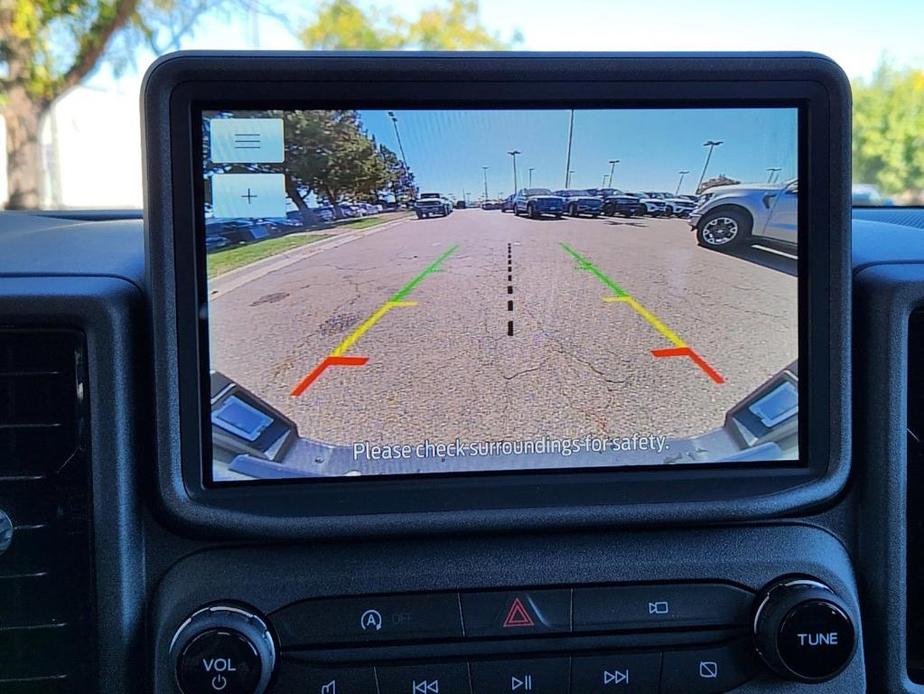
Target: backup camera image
column 417, row 292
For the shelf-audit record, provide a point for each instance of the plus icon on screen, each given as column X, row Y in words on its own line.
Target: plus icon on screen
column 249, row 197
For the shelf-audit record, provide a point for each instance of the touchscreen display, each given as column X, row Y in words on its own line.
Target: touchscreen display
column 451, row 291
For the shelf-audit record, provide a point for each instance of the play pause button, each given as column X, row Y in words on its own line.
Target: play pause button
column 616, row 674
column 532, row 676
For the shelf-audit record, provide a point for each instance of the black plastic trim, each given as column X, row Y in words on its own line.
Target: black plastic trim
column 177, row 85
column 108, row 311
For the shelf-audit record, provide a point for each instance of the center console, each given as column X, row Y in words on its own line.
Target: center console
column 745, row 609
column 565, row 439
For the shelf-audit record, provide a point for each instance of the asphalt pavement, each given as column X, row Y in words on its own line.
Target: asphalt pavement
column 488, row 327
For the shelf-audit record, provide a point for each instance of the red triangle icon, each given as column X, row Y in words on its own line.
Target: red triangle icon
column 518, row 616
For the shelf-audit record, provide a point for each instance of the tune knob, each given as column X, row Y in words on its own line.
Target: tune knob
column 803, row 630
column 223, row 648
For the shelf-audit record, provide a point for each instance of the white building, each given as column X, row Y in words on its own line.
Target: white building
column 91, row 145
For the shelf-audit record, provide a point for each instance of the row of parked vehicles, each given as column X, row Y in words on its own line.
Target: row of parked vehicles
column 221, row 233
column 593, row 202
column 723, row 217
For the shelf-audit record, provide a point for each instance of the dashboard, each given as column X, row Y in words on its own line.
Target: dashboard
column 606, row 441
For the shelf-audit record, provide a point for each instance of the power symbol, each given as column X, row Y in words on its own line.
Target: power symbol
column 219, row 682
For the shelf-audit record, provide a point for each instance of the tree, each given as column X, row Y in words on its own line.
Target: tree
column 343, row 25
column 888, row 130
column 328, row 152
column 49, row 46
column 720, row 180
column 400, row 177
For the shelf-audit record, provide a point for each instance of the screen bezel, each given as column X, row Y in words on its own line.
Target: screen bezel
column 553, row 495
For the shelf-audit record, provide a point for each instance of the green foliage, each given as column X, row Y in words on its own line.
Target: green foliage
column 888, row 130
column 400, row 178
column 231, row 258
column 327, row 152
column 344, row 25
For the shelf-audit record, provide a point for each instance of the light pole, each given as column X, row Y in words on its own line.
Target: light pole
column 394, row 120
column 613, row 163
column 772, row 170
column 711, row 144
column 603, row 182
column 484, row 170
column 682, row 173
column 531, row 169
column 568, row 170
column 514, row 153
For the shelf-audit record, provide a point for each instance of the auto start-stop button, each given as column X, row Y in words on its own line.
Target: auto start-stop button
column 816, row 639
column 219, row 660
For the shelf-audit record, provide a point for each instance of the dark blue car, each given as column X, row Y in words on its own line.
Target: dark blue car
column 578, row 202
column 615, row 201
column 535, row 202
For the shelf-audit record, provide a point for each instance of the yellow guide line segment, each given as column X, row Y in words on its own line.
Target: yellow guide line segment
column 368, row 323
column 648, row 316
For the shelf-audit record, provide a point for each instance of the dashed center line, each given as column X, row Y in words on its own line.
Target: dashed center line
column 510, row 287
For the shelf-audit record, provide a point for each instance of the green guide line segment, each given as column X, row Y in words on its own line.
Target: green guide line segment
column 407, row 288
column 591, row 268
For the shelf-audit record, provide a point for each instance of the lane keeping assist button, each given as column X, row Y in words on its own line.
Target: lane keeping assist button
column 660, row 606
column 370, row 619
column 517, row 613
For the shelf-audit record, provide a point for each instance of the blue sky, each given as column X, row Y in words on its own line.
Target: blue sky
column 446, row 150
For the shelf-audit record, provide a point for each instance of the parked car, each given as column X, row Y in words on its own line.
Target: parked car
column 676, row 205
column 868, row 195
column 731, row 216
column 507, row 204
column 460, row 204
column 238, row 230
column 213, row 242
column 432, row 205
column 282, row 225
column 536, row 202
column 578, row 202
column 325, row 213
column 349, row 211
column 653, row 207
column 616, row 202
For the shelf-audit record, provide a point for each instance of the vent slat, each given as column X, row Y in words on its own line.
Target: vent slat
column 46, row 581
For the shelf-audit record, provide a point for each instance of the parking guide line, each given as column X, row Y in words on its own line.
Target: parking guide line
column 432, row 267
column 680, row 348
column 368, row 323
column 337, row 357
column 592, row 269
column 304, row 384
column 698, row 360
column 650, row 317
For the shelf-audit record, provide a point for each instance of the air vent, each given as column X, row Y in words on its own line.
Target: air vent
column 46, row 573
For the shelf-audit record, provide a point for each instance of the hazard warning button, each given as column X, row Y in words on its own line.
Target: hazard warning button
column 517, row 613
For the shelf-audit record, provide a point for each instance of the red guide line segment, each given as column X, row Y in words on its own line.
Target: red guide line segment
column 698, row 360
column 322, row 367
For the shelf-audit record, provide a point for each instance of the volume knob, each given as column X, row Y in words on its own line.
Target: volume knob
column 803, row 630
column 223, row 648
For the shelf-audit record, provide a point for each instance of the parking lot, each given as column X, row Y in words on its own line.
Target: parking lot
column 488, row 327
